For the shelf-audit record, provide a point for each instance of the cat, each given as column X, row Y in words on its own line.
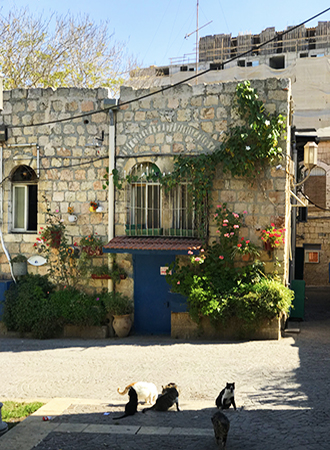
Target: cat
column 221, row 427
column 168, row 397
column 146, row 392
column 226, row 397
column 131, row 406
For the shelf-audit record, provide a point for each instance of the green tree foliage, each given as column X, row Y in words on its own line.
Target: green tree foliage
column 60, row 51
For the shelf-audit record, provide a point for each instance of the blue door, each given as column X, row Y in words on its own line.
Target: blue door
column 153, row 301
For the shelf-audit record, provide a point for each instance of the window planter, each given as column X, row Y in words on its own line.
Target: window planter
column 132, row 230
column 105, row 277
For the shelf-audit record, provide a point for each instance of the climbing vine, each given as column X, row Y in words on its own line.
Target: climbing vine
column 246, row 149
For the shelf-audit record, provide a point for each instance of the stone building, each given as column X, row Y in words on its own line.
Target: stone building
column 152, row 227
column 56, row 148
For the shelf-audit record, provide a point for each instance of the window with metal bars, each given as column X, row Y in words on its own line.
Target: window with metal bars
column 152, row 211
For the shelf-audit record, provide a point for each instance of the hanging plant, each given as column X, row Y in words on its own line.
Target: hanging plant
column 93, row 206
column 273, row 237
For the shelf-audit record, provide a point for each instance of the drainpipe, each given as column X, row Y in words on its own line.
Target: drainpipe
column 111, row 191
column 293, row 209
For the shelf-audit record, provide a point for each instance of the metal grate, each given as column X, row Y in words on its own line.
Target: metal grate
column 153, row 211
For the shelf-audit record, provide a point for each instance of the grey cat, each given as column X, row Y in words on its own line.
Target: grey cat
column 221, row 427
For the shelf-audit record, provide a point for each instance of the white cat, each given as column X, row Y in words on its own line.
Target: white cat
column 146, row 392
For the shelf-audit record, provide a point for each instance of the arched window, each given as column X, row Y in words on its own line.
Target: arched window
column 25, row 199
column 144, row 215
column 315, row 187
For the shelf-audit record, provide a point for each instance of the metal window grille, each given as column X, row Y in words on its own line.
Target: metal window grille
column 152, row 211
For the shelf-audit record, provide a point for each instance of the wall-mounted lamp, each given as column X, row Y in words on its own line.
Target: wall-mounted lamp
column 310, row 160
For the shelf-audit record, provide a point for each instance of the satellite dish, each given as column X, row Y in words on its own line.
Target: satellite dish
column 37, row 260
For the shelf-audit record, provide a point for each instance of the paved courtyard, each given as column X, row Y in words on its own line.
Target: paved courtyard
column 282, row 390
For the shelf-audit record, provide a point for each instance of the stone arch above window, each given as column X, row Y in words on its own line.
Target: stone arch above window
column 23, row 174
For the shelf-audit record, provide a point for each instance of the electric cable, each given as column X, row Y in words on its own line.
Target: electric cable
column 165, row 88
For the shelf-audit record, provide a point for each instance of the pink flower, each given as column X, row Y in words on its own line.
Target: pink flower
column 197, row 259
column 247, row 242
column 218, row 206
column 236, row 215
column 178, row 282
column 56, row 210
column 232, row 233
column 202, row 250
column 218, row 231
column 41, row 228
column 236, row 226
column 190, row 252
column 221, row 257
column 244, row 212
column 97, row 299
column 239, row 245
column 272, row 224
column 225, row 220
column 224, row 224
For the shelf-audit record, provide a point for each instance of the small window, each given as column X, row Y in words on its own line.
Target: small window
column 25, row 199
column 277, row 62
column 241, row 63
column 312, row 256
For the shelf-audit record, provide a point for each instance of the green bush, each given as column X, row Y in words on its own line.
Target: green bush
column 78, row 308
column 27, row 307
column 33, row 305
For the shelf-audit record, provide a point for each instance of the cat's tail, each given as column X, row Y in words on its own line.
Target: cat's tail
column 146, row 409
column 120, row 417
column 125, row 390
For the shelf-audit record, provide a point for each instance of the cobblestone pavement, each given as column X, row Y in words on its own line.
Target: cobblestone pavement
column 282, row 389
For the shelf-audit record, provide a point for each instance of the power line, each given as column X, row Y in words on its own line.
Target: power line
column 165, row 88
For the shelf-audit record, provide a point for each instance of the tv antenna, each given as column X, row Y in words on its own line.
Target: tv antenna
column 196, row 31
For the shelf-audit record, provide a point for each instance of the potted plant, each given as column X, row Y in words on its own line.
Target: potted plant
column 53, row 233
column 93, row 206
column 246, row 249
column 121, row 308
column 19, row 265
column 92, row 245
column 272, row 237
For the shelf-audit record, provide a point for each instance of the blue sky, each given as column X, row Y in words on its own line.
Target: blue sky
column 155, row 30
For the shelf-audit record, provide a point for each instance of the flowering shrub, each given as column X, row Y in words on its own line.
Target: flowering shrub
column 216, row 286
column 275, row 236
column 93, row 206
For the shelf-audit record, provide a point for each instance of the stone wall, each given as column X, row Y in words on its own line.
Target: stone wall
column 70, row 166
column 194, row 119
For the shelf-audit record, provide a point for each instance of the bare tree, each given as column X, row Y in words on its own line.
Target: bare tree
column 66, row 51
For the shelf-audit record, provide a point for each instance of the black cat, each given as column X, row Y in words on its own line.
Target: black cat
column 168, row 397
column 131, row 406
column 226, row 397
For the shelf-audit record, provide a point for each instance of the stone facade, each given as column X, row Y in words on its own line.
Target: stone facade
column 192, row 119
column 64, row 155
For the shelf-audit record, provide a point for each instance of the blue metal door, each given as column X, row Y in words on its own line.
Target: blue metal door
column 153, row 301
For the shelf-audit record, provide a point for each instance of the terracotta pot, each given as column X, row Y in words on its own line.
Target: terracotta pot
column 246, row 257
column 122, row 325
